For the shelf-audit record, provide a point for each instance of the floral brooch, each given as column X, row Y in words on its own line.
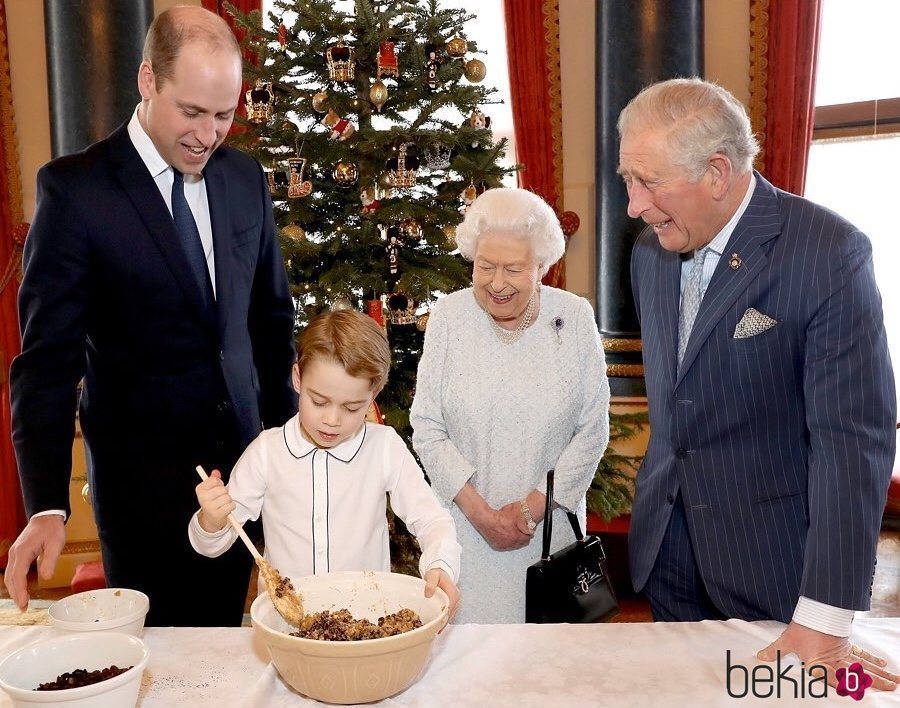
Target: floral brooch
column 557, row 323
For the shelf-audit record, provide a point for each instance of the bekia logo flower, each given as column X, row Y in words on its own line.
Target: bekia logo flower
column 853, row 681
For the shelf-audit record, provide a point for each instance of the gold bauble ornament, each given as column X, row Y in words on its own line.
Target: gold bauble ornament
column 319, row 100
column 378, row 94
column 386, row 180
column 294, row 232
column 410, row 229
column 457, row 47
column 450, row 232
column 345, row 174
column 422, row 322
column 475, row 70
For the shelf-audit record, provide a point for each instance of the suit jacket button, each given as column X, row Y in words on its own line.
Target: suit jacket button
column 670, row 499
column 221, row 355
column 681, row 453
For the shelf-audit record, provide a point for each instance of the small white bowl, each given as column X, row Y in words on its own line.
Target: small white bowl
column 109, row 609
column 25, row 669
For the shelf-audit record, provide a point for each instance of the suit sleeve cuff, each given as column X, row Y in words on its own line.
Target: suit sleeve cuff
column 49, row 512
column 827, row 619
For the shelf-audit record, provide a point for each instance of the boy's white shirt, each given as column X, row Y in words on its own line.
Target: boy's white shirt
column 324, row 509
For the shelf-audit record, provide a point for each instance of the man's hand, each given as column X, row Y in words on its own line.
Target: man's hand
column 215, row 503
column 438, row 578
column 44, row 536
column 832, row 652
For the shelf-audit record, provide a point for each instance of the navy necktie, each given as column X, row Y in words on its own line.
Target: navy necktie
column 190, row 237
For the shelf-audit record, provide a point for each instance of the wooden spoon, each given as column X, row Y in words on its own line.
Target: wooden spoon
column 281, row 592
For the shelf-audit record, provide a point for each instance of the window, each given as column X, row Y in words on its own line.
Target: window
column 856, row 143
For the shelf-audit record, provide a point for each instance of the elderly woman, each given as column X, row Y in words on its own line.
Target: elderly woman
column 512, row 383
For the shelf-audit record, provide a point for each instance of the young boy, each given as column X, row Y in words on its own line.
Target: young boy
column 320, row 480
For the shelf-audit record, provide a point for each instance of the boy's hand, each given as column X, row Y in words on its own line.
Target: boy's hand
column 215, row 503
column 437, row 578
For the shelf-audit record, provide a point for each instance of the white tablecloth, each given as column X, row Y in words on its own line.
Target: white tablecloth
column 517, row 666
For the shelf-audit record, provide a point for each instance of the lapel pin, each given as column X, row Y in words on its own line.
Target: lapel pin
column 735, row 261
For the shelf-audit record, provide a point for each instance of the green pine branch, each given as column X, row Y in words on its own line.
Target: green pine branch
column 612, row 489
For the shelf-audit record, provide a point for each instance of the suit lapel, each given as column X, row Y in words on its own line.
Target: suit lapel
column 138, row 184
column 760, row 223
column 220, row 218
column 669, row 278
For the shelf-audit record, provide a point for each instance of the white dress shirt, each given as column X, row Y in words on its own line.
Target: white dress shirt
column 324, row 509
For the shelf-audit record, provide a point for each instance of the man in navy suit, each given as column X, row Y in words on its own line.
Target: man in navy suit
column 770, row 388
column 181, row 329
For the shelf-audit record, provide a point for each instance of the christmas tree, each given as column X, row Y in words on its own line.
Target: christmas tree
column 371, row 122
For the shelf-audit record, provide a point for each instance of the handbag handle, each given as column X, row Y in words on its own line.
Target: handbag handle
column 548, row 520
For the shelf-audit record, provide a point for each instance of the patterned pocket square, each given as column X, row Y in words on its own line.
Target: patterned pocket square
column 752, row 323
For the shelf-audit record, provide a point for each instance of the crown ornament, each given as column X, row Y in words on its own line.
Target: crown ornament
column 341, row 62
column 259, row 101
column 437, row 156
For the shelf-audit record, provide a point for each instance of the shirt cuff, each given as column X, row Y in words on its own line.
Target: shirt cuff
column 48, row 512
column 446, row 567
column 827, row 619
column 195, row 523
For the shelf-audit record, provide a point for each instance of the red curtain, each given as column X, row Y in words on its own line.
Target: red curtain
column 532, row 40
column 245, row 6
column 219, row 7
column 12, row 237
column 784, row 38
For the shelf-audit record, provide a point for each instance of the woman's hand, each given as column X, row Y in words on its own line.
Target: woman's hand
column 515, row 514
column 215, row 503
column 505, row 529
column 501, row 529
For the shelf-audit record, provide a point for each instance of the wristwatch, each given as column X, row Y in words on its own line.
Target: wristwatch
column 529, row 519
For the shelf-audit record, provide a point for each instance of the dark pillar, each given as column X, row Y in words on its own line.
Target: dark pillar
column 93, row 52
column 638, row 42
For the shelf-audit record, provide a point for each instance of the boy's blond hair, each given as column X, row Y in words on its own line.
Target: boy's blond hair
column 350, row 338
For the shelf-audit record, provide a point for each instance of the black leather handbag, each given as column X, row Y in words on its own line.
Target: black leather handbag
column 571, row 585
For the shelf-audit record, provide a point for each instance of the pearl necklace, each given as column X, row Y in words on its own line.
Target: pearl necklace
column 511, row 336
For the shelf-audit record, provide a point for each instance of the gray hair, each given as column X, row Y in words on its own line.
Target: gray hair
column 701, row 118
column 517, row 212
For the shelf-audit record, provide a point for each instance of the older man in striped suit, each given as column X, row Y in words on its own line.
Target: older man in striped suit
column 770, row 387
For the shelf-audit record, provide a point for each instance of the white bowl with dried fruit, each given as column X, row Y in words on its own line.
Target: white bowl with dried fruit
column 105, row 610
column 361, row 670
column 76, row 660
